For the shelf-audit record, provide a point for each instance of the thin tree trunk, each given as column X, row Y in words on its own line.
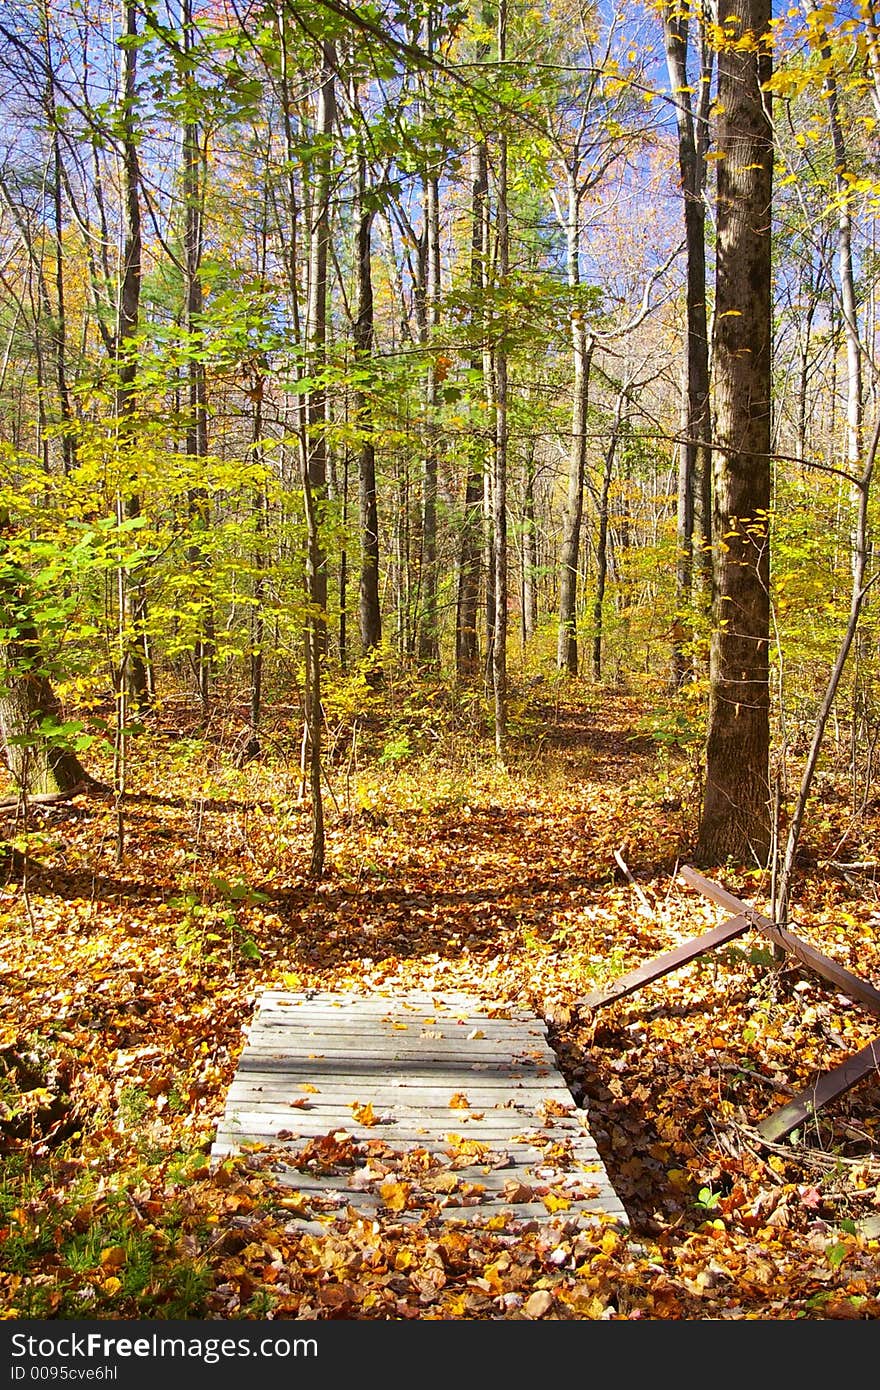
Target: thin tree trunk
column 602, row 542
column 529, row 552
column 369, row 610
column 694, row 470
column 317, row 317
column 467, row 646
column 197, row 413
column 138, row 673
column 428, row 640
column 582, row 352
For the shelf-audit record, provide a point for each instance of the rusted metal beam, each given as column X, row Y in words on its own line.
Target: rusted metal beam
column 827, row 1087
column 860, row 990
column 661, row 965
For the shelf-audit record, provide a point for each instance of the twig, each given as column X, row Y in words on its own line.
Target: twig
column 644, row 901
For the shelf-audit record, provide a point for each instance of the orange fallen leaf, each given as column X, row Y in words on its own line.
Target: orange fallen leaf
column 459, row 1101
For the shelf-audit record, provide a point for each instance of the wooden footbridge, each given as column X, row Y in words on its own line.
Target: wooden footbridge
column 418, row 1104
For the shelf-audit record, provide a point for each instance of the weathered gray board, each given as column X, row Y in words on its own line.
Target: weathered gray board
column 466, row 1109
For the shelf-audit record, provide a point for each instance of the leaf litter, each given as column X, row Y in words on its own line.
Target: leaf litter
column 127, row 988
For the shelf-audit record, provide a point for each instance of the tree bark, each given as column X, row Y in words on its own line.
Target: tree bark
column 694, row 470
column 467, row 646
column 138, row 673
column 735, row 820
column 369, row 612
column 499, row 481
column 40, row 763
column 317, row 318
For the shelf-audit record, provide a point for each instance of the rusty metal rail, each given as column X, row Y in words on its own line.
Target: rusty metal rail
column 826, row 1086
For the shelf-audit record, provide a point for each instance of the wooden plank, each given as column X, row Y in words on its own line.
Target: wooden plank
column 390, row 1044
column 356, row 1056
column 527, row 1146
column 348, row 1018
column 842, row 979
column 827, row 1087
column 661, row 965
column 417, row 1093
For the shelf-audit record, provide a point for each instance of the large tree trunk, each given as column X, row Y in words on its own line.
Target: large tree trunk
column 38, row 760
column 499, row 481
column 736, row 802
column 39, row 767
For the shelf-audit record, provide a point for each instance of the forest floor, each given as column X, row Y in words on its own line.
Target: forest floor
column 127, row 981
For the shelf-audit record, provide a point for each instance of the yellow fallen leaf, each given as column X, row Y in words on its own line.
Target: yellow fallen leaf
column 112, row 1257
column 394, row 1194
column 307, row 1086
column 459, row 1101
column 554, row 1203
column 363, row 1113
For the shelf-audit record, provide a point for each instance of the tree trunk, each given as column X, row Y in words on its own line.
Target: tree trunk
column 467, row 646
column 194, row 160
column 39, row 761
column 317, row 317
column 499, row 481
column 694, row 452
column 582, row 351
column 369, row 612
column 602, row 542
column 137, row 674
column 736, row 818
column 529, row 552
column 428, row 639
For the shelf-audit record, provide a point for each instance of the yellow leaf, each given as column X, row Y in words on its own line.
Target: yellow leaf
column 459, row 1101
column 307, row 1086
column 112, row 1257
column 609, row 1242
column 394, row 1194
column 364, row 1114
column 554, row 1203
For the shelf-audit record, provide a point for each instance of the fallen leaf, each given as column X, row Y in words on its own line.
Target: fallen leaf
column 363, row 1113
column 395, row 1194
column 538, row 1304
